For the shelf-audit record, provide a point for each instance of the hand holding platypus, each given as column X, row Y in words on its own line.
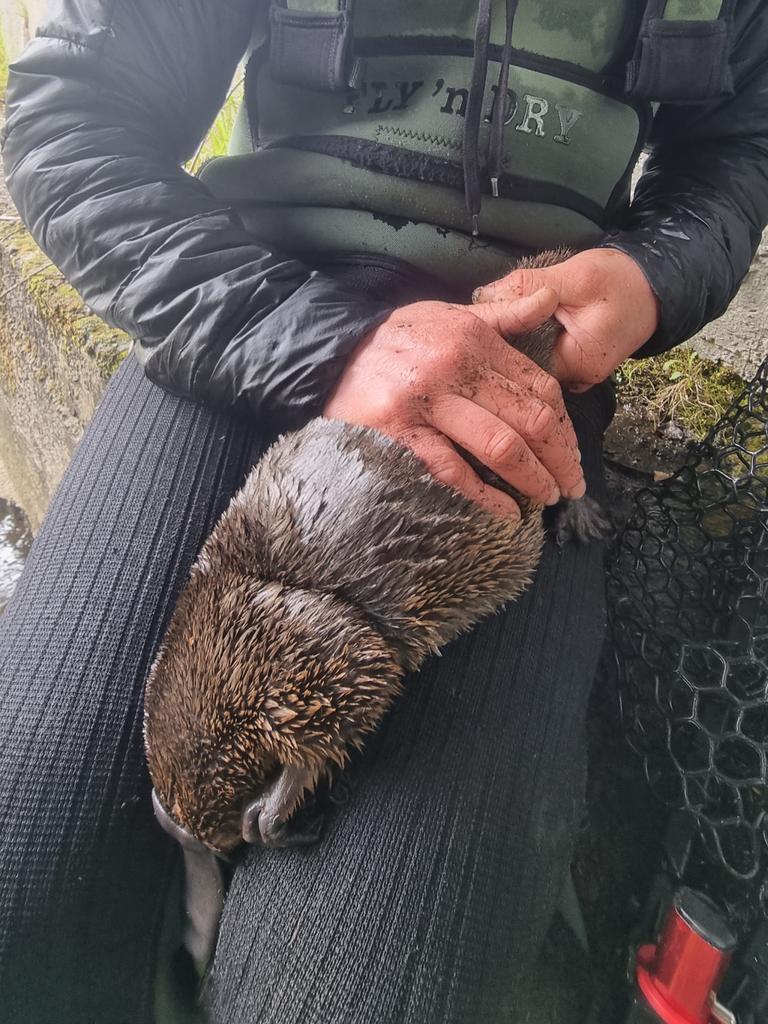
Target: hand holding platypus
column 340, row 565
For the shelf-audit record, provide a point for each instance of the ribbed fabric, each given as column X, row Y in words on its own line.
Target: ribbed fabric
column 435, row 882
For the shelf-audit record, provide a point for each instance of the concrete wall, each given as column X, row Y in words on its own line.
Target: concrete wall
column 55, row 360
column 18, row 21
column 740, row 338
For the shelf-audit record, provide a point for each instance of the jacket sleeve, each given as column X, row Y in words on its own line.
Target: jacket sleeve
column 103, row 109
column 702, row 202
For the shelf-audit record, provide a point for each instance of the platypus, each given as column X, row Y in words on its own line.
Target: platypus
column 338, row 567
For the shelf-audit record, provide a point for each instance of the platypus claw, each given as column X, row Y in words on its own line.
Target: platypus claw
column 264, row 819
column 582, row 520
column 276, row 835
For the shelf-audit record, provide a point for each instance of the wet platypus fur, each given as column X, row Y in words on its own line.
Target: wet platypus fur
column 338, row 567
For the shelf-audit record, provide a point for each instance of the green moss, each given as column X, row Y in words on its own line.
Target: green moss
column 679, row 386
column 60, row 305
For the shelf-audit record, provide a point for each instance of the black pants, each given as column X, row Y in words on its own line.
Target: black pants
column 428, row 900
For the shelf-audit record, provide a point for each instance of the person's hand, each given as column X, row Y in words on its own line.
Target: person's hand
column 606, row 307
column 435, row 373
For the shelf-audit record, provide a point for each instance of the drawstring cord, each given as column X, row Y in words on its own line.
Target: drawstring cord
column 496, row 160
column 471, row 161
column 475, row 113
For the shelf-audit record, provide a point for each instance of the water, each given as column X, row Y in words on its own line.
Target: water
column 15, row 541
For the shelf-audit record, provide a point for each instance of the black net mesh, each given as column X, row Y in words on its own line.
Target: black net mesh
column 689, row 621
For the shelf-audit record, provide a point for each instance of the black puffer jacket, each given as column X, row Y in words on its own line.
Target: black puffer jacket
column 111, row 98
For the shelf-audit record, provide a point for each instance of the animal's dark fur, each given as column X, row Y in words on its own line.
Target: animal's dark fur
column 340, row 565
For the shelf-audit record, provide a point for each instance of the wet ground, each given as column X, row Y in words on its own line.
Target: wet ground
column 15, row 542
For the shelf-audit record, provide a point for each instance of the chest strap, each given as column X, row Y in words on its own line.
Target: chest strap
column 682, row 52
column 311, row 44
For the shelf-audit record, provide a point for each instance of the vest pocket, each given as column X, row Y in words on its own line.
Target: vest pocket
column 681, row 62
column 312, row 49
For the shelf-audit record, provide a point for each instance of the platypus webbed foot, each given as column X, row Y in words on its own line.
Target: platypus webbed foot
column 582, row 520
column 265, row 818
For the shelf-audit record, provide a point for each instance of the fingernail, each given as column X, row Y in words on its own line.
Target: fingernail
column 477, row 295
column 554, row 496
column 578, row 491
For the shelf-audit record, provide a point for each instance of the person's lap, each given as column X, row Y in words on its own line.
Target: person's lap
column 432, row 884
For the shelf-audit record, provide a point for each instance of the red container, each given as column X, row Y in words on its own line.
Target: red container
column 679, row 978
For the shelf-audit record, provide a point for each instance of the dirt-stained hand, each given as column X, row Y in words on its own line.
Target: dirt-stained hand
column 435, row 375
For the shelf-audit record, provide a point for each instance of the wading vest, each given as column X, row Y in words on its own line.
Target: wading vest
column 351, row 135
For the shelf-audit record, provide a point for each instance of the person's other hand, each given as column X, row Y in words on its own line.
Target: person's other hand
column 606, row 307
column 435, row 373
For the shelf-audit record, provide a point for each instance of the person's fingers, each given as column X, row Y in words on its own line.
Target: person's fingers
column 445, row 464
column 497, row 445
column 549, row 435
column 524, row 281
column 574, row 362
column 573, row 285
column 516, row 317
column 521, row 371
column 561, row 362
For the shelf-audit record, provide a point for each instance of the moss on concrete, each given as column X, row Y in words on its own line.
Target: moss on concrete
column 679, row 386
column 8, row 370
column 55, row 360
column 60, row 305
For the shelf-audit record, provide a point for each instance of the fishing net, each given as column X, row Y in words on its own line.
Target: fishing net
column 689, row 625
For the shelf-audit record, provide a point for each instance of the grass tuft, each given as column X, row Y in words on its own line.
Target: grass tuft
column 679, row 386
column 216, row 141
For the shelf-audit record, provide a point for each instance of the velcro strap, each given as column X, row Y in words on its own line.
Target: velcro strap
column 313, row 48
column 681, row 60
